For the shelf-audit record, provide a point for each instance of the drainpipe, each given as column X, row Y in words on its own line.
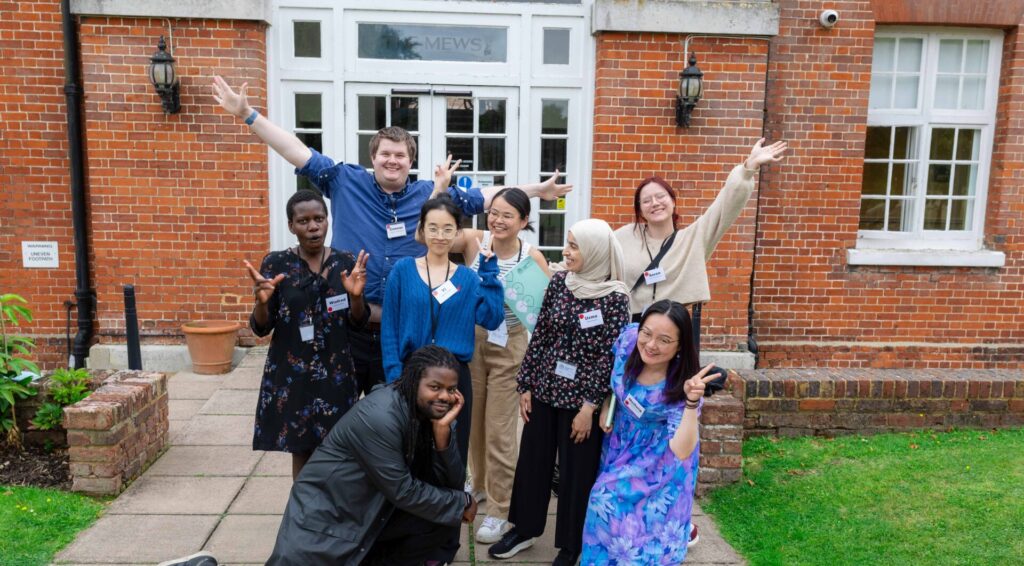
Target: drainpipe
column 85, row 296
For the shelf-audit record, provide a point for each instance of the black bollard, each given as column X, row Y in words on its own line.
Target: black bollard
column 131, row 326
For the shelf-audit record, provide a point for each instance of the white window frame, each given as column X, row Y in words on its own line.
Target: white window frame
column 932, row 247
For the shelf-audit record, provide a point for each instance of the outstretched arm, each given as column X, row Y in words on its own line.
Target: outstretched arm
column 548, row 190
column 280, row 140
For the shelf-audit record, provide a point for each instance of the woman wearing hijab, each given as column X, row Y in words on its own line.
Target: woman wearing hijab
column 562, row 382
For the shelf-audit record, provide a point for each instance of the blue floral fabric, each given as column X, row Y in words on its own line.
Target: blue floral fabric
column 640, row 506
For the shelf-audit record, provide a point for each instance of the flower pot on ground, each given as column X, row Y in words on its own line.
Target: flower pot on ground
column 211, row 345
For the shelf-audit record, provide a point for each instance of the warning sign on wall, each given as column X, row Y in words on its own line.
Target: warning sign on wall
column 39, row 254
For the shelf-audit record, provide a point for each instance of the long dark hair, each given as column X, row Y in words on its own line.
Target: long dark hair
column 636, row 200
column 519, row 200
column 440, row 202
column 686, row 362
column 408, row 385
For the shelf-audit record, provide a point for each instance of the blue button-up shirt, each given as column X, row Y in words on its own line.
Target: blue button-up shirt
column 361, row 210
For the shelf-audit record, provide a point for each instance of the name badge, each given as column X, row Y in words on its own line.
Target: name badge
column 565, row 369
column 499, row 336
column 634, row 406
column 590, row 319
column 395, row 230
column 337, row 303
column 656, row 275
column 306, row 332
column 444, row 292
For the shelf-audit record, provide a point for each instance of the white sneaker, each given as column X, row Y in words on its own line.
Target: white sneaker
column 491, row 530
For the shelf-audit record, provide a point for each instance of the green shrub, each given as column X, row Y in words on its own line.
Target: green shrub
column 67, row 387
column 48, row 416
column 12, row 364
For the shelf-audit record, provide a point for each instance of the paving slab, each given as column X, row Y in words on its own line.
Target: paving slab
column 262, row 496
column 244, row 538
column 274, row 464
column 177, row 495
column 217, row 430
column 711, row 549
column 244, row 378
column 255, row 357
column 139, row 539
column 188, row 385
column 232, row 402
column 183, row 409
column 206, row 461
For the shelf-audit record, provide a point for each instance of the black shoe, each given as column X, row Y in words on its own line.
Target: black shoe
column 510, row 545
column 565, row 558
column 197, row 559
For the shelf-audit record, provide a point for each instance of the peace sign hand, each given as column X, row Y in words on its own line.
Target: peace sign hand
column 262, row 287
column 694, row 387
column 485, row 250
column 355, row 281
column 443, row 175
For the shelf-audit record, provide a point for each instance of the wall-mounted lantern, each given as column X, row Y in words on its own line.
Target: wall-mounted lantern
column 691, row 89
column 164, row 78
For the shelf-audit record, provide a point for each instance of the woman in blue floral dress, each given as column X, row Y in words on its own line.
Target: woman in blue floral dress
column 640, row 505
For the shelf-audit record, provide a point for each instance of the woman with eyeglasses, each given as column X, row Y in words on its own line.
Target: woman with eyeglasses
column 430, row 300
column 640, row 506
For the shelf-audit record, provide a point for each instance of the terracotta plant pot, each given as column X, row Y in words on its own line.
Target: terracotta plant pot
column 211, row 345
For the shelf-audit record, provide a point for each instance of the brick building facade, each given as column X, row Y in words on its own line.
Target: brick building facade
column 821, row 268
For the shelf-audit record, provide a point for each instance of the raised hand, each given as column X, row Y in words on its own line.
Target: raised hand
column 443, row 175
column 262, row 287
column 551, row 189
column 229, row 100
column 760, row 155
column 485, row 250
column 694, row 387
column 355, row 282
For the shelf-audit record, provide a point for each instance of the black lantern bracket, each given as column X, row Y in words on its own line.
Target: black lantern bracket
column 164, row 78
column 691, row 89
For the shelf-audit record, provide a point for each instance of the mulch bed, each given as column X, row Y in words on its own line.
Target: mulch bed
column 35, row 466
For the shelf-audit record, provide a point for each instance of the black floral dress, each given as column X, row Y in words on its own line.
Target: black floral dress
column 308, row 380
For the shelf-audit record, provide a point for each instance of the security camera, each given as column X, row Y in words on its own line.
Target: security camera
column 828, row 18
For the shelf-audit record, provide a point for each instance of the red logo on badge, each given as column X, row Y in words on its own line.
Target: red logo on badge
column 581, row 317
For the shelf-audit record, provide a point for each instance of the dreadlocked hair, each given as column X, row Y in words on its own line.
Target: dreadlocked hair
column 408, row 384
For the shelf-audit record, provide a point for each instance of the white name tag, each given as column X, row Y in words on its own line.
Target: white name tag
column 306, row 332
column 499, row 336
column 395, row 230
column 444, row 292
column 565, row 369
column 656, row 275
column 592, row 318
column 634, row 406
column 337, row 303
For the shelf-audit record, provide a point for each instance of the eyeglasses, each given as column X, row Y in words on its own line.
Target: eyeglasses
column 660, row 197
column 507, row 216
column 446, row 233
column 646, row 335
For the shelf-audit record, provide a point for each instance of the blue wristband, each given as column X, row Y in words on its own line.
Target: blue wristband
column 252, row 118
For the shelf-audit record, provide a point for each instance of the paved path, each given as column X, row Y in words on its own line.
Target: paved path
column 210, row 491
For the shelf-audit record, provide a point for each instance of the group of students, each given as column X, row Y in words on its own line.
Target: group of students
column 608, row 384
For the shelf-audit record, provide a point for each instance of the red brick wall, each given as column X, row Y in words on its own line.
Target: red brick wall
column 811, row 308
column 35, row 195
column 635, row 137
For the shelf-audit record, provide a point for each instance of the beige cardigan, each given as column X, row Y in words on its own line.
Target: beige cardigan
column 685, row 262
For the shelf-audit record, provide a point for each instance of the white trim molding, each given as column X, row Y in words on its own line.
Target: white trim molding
column 926, row 258
column 257, row 10
column 754, row 17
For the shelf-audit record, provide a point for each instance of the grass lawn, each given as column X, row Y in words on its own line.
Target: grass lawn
column 913, row 498
column 35, row 523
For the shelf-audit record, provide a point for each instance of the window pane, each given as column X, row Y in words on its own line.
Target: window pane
column 307, row 111
column 885, row 53
column 461, row 148
column 307, row 39
column 492, row 116
column 315, row 141
column 872, row 214
column 553, row 204
column 881, row 91
column 938, row 179
column 364, row 150
column 372, row 112
column 556, row 46
column 433, row 42
column 947, row 89
column 974, row 93
column 552, row 154
column 942, row 143
column 896, row 213
column 554, row 117
column 876, row 146
column 960, row 214
column 906, row 92
column 964, row 179
column 950, row 52
column 405, row 112
column 900, row 185
column 935, row 214
column 459, row 114
column 876, row 175
column 552, row 229
column 976, row 57
column 904, row 145
column 967, row 142
column 553, row 256
column 910, row 56
column 492, row 154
